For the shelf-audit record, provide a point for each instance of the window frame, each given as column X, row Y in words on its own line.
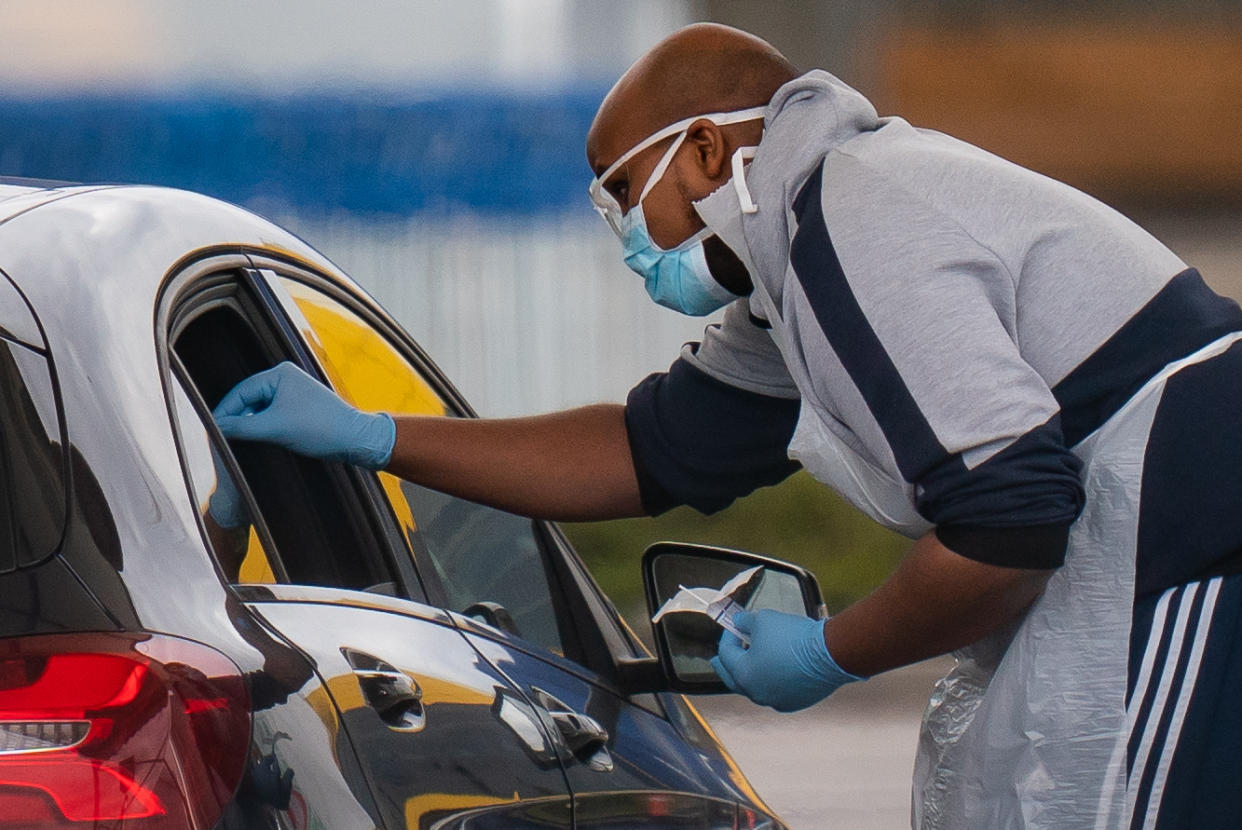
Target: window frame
column 214, row 282
column 217, row 441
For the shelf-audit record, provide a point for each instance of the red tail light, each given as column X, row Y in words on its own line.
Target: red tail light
column 138, row 731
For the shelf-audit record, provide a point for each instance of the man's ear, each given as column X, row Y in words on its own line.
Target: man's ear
column 711, row 153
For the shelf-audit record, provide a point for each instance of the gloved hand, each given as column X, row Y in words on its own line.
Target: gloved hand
column 787, row 665
column 288, row 407
column 225, row 503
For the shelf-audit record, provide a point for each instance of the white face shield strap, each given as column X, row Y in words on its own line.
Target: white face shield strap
column 604, row 202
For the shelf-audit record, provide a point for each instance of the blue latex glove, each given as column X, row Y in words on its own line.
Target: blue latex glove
column 288, row 407
column 225, row 504
column 787, row 665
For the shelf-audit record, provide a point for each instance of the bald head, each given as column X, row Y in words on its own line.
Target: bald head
column 699, row 69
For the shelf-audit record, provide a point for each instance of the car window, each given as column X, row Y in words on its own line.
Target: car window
column 32, row 460
column 316, row 512
column 487, row 563
column 230, row 527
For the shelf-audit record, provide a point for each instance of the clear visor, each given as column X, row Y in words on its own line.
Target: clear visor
column 604, row 202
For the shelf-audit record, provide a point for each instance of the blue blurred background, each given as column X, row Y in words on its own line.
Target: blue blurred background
column 451, row 152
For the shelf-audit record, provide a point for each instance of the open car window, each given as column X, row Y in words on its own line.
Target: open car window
column 322, row 528
column 482, row 562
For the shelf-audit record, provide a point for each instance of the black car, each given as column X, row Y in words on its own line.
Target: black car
column 357, row 651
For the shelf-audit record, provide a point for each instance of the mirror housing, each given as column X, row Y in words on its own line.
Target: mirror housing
column 685, row 643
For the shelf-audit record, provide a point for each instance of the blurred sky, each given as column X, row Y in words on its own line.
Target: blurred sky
column 281, row 46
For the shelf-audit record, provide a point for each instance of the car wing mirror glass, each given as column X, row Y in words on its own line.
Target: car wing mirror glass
column 692, row 577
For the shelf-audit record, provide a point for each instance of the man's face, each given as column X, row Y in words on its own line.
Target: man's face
column 671, row 218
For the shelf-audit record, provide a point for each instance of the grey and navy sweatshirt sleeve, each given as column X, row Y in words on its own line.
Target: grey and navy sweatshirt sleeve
column 909, row 329
column 717, row 424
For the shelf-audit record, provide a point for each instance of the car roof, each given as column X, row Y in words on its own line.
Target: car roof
column 8, row 189
column 123, row 238
column 13, row 189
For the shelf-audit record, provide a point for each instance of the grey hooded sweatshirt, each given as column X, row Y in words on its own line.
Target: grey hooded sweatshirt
column 958, row 321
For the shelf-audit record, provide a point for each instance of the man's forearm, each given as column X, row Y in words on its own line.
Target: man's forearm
column 574, row 465
column 935, row 601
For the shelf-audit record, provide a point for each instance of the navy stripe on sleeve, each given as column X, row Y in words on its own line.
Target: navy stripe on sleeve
column 1040, row 547
column 698, row 441
column 1031, row 482
column 1184, row 316
column 1016, row 508
column 1013, row 510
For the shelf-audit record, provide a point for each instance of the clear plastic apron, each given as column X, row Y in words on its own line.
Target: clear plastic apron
column 1029, row 729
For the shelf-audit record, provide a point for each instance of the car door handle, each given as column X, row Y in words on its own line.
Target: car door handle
column 393, row 694
column 582, row 733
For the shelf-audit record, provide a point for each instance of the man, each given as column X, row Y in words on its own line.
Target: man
column 980, row 357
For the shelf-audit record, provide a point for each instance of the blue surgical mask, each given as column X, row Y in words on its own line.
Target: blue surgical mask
column 678, row 278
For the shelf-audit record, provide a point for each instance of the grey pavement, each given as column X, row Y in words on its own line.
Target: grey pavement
column 844, row 763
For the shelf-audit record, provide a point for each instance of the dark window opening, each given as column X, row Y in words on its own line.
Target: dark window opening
column 311, row 510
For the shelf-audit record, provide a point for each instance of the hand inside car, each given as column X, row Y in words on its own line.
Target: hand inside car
column 285, row 406
column 225, row 504
column 787, row 665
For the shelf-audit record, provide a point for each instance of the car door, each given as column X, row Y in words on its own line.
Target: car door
column 440, row 736
column 520, row 596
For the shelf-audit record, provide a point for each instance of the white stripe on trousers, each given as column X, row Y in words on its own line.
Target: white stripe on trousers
column 1104, row 817
column 1182, row 630
column 1162, row 691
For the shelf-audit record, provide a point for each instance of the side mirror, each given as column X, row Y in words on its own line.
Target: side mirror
column 686, row 642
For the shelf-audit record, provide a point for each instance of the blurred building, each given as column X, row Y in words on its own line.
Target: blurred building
column 435, row 149
column 1136, row 101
